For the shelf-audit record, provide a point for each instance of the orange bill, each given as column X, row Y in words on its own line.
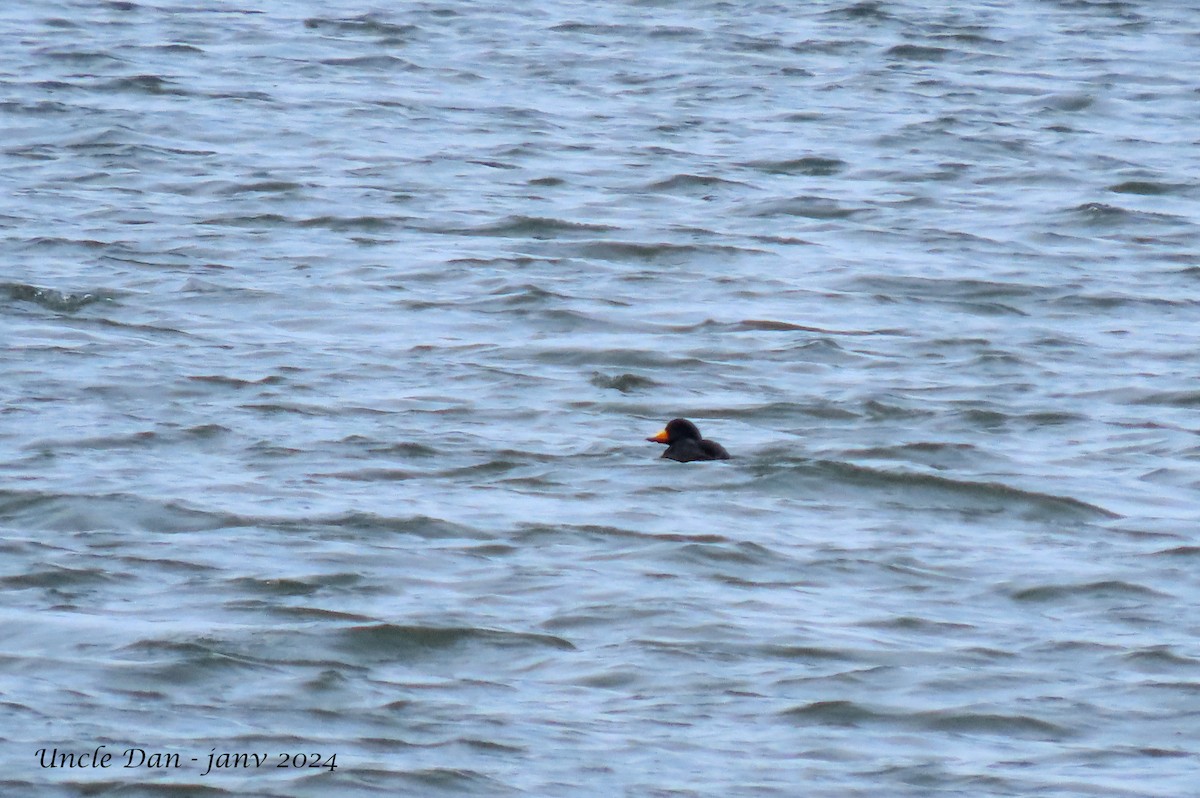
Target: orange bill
column 661, row 437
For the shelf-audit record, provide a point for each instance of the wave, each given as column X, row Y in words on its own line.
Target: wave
column 44, row 510
column 812, row 165
column 968, row 721
column 369, row 24
column 394, row 640
column 1101, row 589
column 55, row 300
column 918, row 488
column 535, row 227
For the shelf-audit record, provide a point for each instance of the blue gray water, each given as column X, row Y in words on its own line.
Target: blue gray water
column 332, row 332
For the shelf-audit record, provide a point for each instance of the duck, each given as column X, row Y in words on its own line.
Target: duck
column 684, row 443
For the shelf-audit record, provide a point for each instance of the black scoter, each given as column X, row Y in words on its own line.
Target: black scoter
column 685, row 444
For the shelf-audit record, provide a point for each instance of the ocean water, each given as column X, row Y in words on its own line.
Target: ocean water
column 332, row 334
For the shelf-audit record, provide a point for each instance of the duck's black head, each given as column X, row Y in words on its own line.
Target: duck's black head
column 677, row 429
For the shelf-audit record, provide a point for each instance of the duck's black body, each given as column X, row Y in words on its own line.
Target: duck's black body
column 685, row 445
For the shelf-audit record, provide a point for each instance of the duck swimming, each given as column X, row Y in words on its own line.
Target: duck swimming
column 684, row 443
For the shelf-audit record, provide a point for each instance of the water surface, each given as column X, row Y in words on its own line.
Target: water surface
column 332, row 334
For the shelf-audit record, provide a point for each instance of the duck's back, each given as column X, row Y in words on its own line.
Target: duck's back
column 713, row 450
column 689, row 450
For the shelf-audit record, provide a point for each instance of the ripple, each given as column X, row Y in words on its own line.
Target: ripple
column 684, row 183
column 662, row 252
column 420, row 525
column 144, row 84
column 853, row 714
column 58, row 301
column 398, row 640
column 365, row 24
column 996, row 495
column 916, row 52
column 534, row 227
column 1110, row 588
column 1147, row 188
column 1101, row 215
column 807, row 207
column 56, row 578
column 985, row 723
column 43, row 510
column 813, row 166
column 625, row 383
